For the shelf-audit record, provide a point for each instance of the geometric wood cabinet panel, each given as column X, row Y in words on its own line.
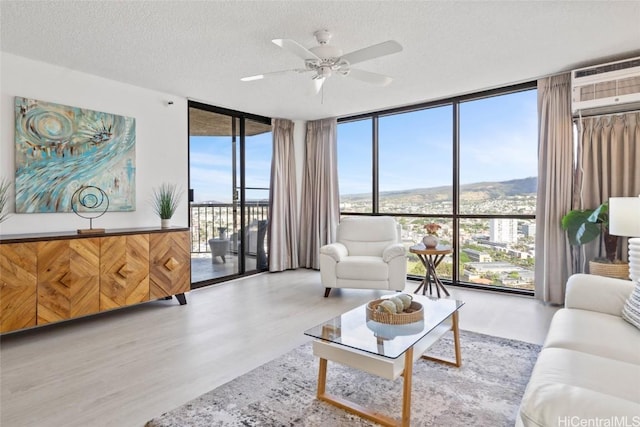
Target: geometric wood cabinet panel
column 68, row 279
column 46, row 278
column 18, row 278
column 169, row 256
column 124, row 270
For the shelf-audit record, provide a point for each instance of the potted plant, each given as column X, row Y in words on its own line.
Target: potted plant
column 584, row 226
column 431, row 239
column 222, row 233
column 165, row 202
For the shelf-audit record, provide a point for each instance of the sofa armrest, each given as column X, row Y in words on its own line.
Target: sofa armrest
column 336, row 250
column 393, row 251
column 597, row 293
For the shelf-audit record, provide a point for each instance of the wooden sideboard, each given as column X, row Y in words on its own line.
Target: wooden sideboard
column 50, row 277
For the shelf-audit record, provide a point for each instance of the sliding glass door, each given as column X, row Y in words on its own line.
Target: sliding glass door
column 258, row 149
column 229, row 168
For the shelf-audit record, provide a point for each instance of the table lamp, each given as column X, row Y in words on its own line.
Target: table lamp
column 624, row 220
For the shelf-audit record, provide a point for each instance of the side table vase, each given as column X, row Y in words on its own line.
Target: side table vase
column 430, row 241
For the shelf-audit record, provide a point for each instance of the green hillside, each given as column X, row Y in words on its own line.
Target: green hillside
column 478, row 191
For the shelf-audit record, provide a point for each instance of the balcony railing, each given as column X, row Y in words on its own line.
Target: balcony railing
column 208, row 218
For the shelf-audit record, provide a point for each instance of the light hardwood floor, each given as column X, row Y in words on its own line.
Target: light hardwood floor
column 124, row 367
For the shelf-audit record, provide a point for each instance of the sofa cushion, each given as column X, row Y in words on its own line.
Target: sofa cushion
column 362, row 268
column 594, row 333
column 597, row 293
column 631, row 309
column 567, row 383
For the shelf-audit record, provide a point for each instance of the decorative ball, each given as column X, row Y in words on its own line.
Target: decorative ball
column 406, row 300
column 399, row 304
column 387, row 306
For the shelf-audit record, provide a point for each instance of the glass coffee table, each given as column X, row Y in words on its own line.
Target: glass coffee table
column 383, row 349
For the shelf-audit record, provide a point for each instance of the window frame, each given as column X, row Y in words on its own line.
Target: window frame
column 455, row 216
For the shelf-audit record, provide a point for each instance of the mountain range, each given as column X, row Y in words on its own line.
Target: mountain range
column 477, row 191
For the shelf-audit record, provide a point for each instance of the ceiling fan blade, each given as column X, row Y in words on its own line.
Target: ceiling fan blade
column 316, row 87
column 371, row 52
column 369, row 77
column 272, row 73
column 318, row 84
column 296, row 48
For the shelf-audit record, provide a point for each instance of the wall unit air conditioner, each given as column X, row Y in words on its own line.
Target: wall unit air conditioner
column 607, row 88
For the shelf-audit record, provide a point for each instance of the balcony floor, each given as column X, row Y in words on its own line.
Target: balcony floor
column 202, row 268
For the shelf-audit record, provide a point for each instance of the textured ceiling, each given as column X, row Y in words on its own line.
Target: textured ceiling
column 200, row 49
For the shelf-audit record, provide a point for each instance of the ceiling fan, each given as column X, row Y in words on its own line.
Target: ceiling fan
column 325, row 60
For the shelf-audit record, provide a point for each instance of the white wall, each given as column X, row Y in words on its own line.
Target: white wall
column 161, row 138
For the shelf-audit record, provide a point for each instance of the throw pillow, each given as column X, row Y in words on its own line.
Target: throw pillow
column 631, row 309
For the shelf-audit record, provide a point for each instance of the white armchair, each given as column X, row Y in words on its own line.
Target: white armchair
column 367, row 254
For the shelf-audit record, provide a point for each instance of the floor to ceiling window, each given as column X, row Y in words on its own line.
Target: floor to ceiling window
column 498, row 171
column 468, row 164
column 355, row 169
column 229, row 168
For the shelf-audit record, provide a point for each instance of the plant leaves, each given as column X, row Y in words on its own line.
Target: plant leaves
column 580, row 229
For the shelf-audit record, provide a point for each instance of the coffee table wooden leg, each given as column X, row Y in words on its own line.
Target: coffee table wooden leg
column 406, row 388
column 367, row 413
column 322, row 377
column 456, row 345
column 456, row 338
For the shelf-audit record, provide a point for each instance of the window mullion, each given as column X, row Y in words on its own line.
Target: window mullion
column 456, row 190
column 375, row 165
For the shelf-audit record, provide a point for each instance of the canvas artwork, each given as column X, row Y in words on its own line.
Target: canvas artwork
column 60, row 149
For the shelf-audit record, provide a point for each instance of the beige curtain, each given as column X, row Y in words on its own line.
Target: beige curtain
column 283, row 202
column 320, row 210
column 555, row 177
column 608, row 166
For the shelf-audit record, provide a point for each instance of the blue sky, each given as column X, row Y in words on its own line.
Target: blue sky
column 498, row 142
column 211, row 163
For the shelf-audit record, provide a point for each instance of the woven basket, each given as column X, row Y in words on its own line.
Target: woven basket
column 414, row 313
column 619, row 270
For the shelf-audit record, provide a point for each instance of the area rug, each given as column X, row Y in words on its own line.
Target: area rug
column 485, row 391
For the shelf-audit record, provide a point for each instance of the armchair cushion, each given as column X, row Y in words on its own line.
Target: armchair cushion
column 362, row 268
column 393, row 251
column 337, row 251
column 367, row 235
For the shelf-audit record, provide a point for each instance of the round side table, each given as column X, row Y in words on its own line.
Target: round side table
column 431, row 258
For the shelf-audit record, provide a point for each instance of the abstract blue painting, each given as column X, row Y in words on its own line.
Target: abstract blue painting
column 60, row 149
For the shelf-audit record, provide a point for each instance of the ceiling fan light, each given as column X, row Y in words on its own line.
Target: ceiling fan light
column 324, row 72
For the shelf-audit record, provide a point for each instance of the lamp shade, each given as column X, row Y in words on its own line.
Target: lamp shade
column 624, row 216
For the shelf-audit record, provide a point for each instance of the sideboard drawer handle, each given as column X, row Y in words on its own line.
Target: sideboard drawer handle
column 171, row 264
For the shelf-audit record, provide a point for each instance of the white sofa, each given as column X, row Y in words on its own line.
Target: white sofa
column 367, row 254
column 589, row 366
